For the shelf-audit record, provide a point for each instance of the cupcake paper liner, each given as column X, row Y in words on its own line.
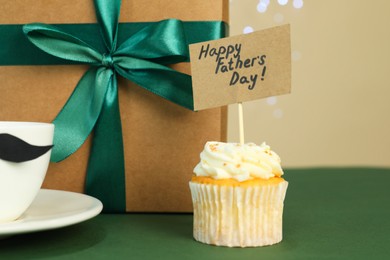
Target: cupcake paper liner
column 238, row 216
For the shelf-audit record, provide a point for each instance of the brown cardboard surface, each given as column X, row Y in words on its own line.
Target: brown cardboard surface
column 82, row 11
column 162, row 140
column 241, row 68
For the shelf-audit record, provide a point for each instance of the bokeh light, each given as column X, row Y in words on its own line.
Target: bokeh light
column 247, row 29
column 278, row 18
column 271, row 101
column 296, row 55
column 278, row 113
column 261, row 7
column 282, row 2
column 298, row 4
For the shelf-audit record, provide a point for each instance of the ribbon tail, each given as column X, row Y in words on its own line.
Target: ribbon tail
column 106, row 170
column 79, row 115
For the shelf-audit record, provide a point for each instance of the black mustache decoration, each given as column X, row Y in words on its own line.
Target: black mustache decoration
column 13, row 149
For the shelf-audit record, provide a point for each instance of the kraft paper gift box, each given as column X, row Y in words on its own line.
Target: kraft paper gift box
column 161, row 140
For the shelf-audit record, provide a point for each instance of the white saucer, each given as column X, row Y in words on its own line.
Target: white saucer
column 53, row 209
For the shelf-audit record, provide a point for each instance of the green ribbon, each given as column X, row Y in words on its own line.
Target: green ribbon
column 141, row 57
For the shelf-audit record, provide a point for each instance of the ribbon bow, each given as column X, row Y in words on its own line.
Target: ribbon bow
column 94, row 102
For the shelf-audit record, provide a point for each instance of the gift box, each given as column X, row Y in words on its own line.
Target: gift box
column 161, row 139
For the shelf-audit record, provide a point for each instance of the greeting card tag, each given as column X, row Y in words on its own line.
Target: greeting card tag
column 241, row 68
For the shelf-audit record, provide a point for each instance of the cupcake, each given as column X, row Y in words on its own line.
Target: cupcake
column 238, row 193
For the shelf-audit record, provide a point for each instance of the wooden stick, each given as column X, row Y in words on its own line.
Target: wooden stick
column 241, row 122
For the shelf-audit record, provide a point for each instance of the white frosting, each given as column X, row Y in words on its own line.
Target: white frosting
column 240, row 162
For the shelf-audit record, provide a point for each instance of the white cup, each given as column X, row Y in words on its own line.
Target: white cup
column 21, row 181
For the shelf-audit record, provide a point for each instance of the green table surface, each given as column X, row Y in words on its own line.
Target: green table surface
column 333, row 213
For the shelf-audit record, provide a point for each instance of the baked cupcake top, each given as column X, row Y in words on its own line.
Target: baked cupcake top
column 240, row 162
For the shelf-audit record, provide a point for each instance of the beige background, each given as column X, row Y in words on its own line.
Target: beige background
column 338, row 112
